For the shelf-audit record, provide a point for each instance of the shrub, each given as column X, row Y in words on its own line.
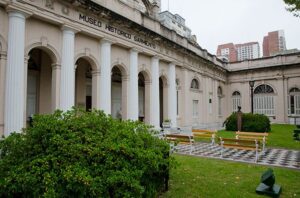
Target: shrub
column 250, row 122
column 82, row 154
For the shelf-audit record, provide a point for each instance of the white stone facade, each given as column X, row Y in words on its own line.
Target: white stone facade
column 109, row 56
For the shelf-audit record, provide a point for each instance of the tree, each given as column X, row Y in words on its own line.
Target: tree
column 293, row 7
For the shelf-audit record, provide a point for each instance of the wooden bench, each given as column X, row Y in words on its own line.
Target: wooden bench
column 202, row 133
column 180, row 139
column 252, row 145
column 262, row 137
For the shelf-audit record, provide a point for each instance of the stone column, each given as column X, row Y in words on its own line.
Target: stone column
column 133, row 102
column 2, row 90
column 96, row 89
column 155, row 111
column 67, row 83
column 15, row 74
column 172, row 104
column 56, row 70
column 105, row 77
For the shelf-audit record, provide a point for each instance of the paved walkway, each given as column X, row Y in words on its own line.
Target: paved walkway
column 273, row 157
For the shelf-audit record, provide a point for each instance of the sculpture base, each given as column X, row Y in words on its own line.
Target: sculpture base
column 264, row 190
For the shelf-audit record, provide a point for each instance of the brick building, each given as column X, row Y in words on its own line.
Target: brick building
column 273, row 43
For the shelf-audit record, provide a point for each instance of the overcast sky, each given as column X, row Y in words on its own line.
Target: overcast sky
column 239, row 21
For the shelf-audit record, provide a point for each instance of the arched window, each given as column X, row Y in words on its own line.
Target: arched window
column 263, row 100
column 220, row 95
column 294, row 101
column 263, row 89
column 195, row 84
column 236, row 100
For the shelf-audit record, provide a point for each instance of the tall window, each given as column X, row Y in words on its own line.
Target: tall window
column 195, row 108
column 177, row 95
column 210, row 103
column 236, row 101
column 195, row 84
column 264, row 100
column 294, row 101
column 220, row 95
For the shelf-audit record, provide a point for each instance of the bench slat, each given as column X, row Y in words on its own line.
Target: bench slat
column 251, row 133
column 239, row 141
column 202, row 135
column 251, row 137
column 202, row 131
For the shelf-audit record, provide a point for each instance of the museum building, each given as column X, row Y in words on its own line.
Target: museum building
column 117, row 56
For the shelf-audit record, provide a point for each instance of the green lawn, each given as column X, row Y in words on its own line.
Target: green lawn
column 281, row 136
column 202, row 177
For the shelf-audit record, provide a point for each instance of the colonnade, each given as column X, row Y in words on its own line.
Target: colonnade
column 15, row 89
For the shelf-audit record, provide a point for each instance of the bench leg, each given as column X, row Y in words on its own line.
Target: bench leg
column 212, row 141
column 222, row 148
column 256, row 153
column 256, row 156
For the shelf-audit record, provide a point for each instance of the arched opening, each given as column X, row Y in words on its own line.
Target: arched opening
column 83, row 84
column 144, row 97
column 39, row 83
column 264, row 100
column 236, row 101
column 195, row 84
column 294, row 101
column 118, row 103
column 163, row 99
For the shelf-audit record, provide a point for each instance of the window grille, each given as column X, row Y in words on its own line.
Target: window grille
column 236, row 101
column 294, row 102
column 263, row 100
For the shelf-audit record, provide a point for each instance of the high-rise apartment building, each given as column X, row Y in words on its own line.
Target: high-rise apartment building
column 239, row 52
column 273, row 43
column 247, row 51
column 227, row 51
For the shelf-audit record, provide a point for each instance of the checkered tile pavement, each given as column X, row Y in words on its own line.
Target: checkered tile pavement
column 273, row 157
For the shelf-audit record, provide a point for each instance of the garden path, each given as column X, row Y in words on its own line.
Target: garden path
column 271, row 156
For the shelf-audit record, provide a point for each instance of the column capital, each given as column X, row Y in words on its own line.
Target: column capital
column 14, row 12
column 26, row 58
column 96, row 72
column 172, row 63
column 69, row 29
column 148, row 82
column 125, row 77
column 135, row 50
column 156, row 56
column 3, row 55
column 55, row 66
column 107, row 41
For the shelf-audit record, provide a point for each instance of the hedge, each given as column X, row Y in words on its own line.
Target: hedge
column 83, row 154
column 250, row 122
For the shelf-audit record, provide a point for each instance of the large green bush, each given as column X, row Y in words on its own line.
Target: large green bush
column 250, row 122
column 81, row 154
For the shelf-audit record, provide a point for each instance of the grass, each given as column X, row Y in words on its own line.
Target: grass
column 281, row 136
column 202, row 177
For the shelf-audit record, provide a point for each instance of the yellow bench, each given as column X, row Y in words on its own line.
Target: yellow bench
column 203, row 133
column 251, row 145
column 180, row 139
column 262, row 137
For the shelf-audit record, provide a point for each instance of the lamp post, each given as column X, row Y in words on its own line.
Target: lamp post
column 251, row 83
